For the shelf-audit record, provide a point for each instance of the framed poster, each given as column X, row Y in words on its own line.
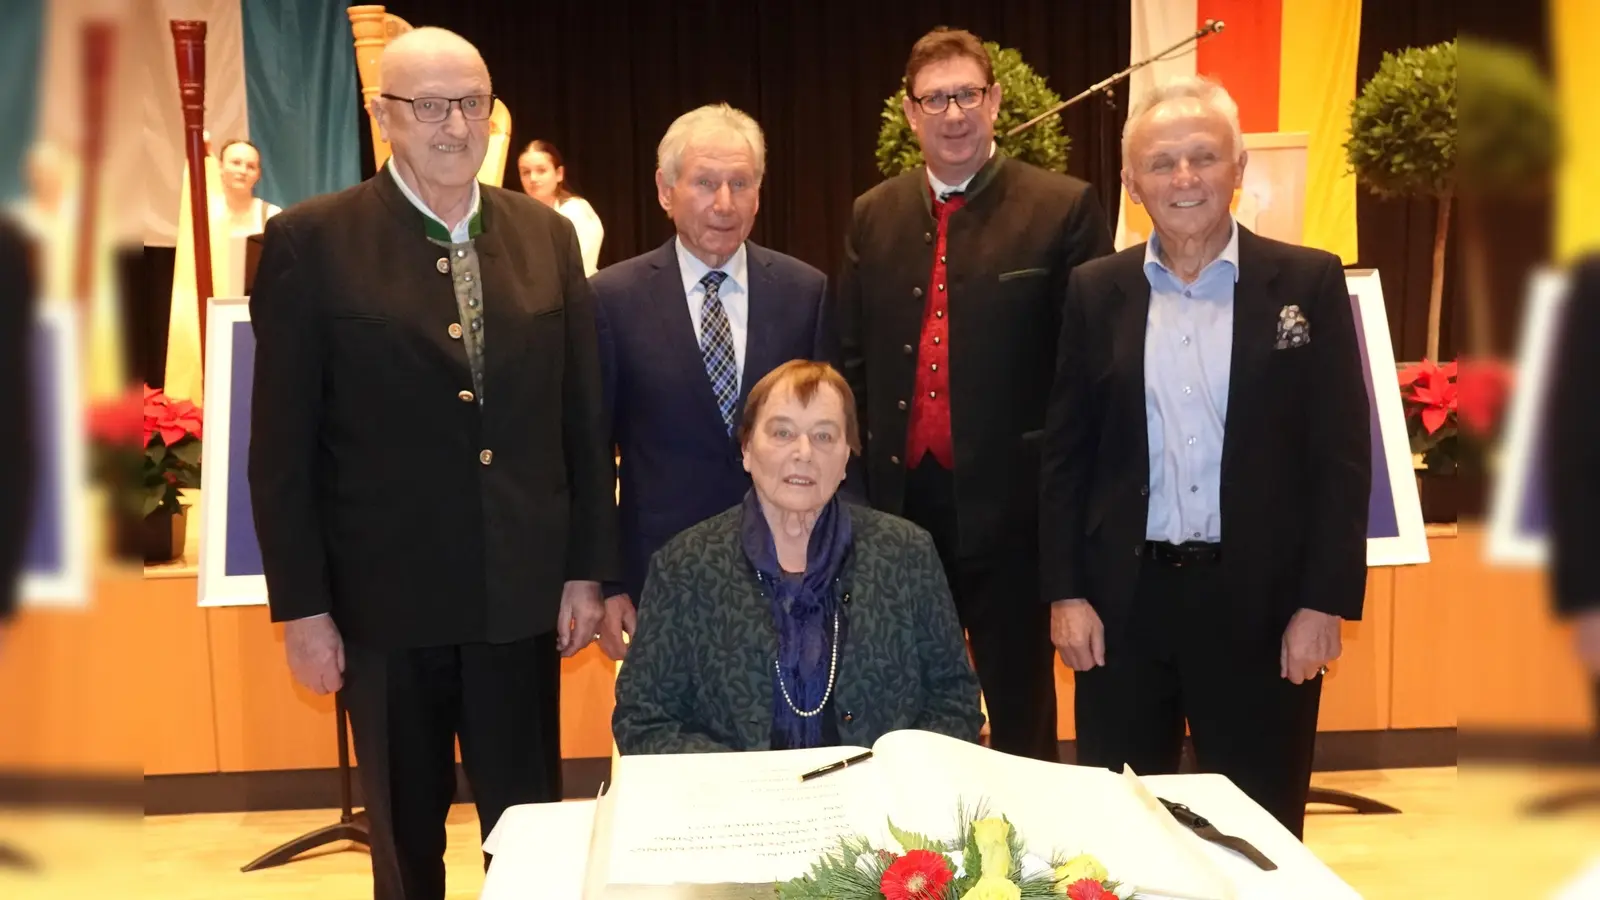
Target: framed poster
column 55, row 562
column 1518, row 508
column 1395, row 532
column 230, row 559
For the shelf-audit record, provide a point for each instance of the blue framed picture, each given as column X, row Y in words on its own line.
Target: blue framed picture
column 1519, row 507
column 230, row 558
column 1396, row 535
column 56, row 558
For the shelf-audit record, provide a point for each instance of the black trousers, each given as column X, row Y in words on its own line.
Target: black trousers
column 1008, row 627
column 407, row 709
column 1182, row 658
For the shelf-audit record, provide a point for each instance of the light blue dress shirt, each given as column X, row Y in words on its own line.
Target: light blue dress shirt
column 1188, row 346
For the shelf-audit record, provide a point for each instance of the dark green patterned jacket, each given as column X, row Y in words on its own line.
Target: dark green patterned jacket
column 698, row 677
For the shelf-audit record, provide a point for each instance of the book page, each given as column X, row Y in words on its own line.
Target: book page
column 734, row 817
column 1057, row 808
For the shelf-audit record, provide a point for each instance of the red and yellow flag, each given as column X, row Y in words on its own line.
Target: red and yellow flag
column 1291, row 67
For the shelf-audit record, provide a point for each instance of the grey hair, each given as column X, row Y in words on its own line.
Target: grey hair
column 1210, row 93
column 714, row 117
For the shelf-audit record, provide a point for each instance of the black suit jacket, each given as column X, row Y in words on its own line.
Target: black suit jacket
column 1573, row 437
column 679, row 466
column 17, row 463
column 372, row 501
column 1296, row 458
column 1010, row 250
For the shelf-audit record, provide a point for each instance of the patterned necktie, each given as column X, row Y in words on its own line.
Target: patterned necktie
column 716, row 346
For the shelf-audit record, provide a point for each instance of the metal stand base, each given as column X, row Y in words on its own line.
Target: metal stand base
column 1360, row 804
column 352, row 826
column 1560, row 803
column 12, row 858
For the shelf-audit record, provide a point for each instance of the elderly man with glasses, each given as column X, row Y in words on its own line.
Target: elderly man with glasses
column 949, row 301
column 429, row 465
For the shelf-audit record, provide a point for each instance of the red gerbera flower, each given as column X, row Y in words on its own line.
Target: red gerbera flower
column 1088, row 889
column 918, row 875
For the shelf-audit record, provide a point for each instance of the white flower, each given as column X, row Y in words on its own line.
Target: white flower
column 1124, row 891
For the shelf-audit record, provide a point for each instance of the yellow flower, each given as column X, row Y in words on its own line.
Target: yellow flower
column 994, row 849
column 1078, row 868
column 993, row 887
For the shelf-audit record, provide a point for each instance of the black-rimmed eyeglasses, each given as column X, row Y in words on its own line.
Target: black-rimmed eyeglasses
column 429, row 110
column 966, row 98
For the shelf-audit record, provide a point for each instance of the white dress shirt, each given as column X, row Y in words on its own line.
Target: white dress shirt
column 940, row 189
column 459, row 234
column 734, row 293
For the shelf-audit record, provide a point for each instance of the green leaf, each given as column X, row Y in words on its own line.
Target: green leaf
column 910, row 840
column 187, row 452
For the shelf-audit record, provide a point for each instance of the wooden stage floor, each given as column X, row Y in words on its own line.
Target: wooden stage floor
column 1461, row 835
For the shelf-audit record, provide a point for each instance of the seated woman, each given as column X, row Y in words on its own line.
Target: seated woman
column 795, row 619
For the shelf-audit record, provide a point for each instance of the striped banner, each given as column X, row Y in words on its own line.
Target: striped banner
column 1572, row 30
column 1291, row 66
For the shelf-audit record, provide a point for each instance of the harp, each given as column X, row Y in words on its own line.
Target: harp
column 373, row 28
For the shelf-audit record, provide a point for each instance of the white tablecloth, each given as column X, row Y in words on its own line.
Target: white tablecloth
column 540, row 849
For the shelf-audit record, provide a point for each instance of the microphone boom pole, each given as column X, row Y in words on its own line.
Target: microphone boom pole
column 1212, row 26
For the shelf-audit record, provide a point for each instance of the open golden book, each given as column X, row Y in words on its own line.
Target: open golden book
column 715, row 825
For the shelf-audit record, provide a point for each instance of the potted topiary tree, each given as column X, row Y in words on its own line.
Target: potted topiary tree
column 1023, row 94
column 1508, row 149
column 1403, row 143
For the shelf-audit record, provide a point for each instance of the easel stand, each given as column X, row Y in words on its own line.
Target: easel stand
column 352, row 826
column 12, row 858
column 1348, row 800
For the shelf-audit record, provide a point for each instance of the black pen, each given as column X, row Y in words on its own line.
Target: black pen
column 834, row 767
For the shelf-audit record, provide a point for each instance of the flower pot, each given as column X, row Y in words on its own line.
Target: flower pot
column 1440, row 497
column 162, row 535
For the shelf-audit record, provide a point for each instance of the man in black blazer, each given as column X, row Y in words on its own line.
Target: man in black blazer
column 428, row 465
column 1574, row 442
column 17, row 465
column 680, row 354
column 1206, row 473
column 948, row 306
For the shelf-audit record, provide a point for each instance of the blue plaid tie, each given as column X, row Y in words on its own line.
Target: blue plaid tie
column 716, row 346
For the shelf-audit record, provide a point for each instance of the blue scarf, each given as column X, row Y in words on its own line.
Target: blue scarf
column 802, row 610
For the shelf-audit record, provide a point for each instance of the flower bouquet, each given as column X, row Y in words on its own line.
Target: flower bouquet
column 1429, row 393
column 147, row 448
column 988, row 861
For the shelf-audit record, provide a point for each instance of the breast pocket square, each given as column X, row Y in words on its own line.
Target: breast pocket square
column 1293, row 329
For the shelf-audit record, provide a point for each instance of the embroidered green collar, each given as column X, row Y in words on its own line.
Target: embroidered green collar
column 432, row 226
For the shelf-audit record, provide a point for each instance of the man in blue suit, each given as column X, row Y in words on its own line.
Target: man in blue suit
column 685, row 330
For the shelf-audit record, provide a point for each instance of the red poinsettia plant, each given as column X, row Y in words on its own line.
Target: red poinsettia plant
column 1431, row 398
column 148, row 448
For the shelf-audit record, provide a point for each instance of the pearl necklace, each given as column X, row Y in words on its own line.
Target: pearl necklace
column 833, row 670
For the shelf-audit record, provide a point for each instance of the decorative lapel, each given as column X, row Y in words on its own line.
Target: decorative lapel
column 669, row 308
column 762, row 338
column 1255, row 322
